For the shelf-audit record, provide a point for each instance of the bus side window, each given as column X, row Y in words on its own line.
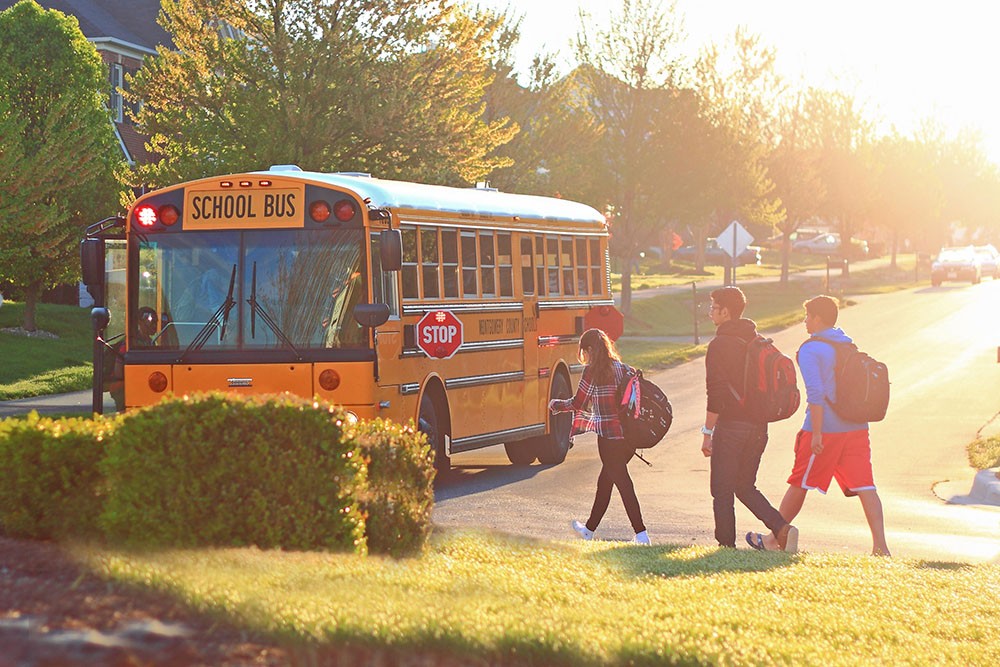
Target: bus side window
column 552, row 264
column 430, row 263
column 410, row 285
column 505, row 264
column 487, row 263
column 583, row 267
column 596, row 259
column 540, row 264
column 566, row 260
column 527, row 266
column 449, row 262
column 470, row 287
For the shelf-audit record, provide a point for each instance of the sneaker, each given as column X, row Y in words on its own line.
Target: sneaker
column 642, row 538
column 583, row 531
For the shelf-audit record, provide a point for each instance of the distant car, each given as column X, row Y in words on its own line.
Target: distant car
column 956, row 264
column 829, row 244
column 716, row 256
column 989, row 260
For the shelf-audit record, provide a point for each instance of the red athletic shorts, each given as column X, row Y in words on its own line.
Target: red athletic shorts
column 846, row 456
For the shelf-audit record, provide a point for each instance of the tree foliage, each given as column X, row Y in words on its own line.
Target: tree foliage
column 392, row 87
column 58, row 158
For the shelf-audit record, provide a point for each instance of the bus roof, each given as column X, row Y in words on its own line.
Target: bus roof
column 422, row 197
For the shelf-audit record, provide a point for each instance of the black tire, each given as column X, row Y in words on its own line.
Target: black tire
column 520, row 453
column 552, row 448
column 429, row 423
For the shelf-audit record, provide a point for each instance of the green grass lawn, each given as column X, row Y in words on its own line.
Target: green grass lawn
column 38, row 366
column 487, row 599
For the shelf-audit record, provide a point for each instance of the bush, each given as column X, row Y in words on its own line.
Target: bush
column 50, row 482
column 400, row 494
column 219, row 470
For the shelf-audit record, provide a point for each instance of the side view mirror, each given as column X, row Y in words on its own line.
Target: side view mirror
column 99, row 318
column 92, row 261
column 371, row 315
column 391, row 249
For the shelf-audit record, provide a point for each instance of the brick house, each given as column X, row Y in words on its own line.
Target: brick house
column 123, row 32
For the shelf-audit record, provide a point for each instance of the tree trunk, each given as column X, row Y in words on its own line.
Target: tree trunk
column 786, row 252
column 895, row 245
column 626, row 301
column 31, row 296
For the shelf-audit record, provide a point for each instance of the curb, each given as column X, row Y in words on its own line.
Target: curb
column 986, row 487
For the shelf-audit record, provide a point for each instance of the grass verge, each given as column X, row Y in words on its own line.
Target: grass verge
column 494, row 599
column 38, row 366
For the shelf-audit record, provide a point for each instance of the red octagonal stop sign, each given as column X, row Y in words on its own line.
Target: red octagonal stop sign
column 439, row 334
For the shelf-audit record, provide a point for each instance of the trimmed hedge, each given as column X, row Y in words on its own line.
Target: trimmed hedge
column 217, row 470
column 50, row 484
column 220, row 470
column 400, row 494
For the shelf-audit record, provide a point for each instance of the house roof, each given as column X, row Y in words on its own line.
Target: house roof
column 129, row 22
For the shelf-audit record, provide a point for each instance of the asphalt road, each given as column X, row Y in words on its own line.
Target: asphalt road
column 940, row 345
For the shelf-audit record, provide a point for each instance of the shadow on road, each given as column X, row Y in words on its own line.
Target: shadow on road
column 468, row 480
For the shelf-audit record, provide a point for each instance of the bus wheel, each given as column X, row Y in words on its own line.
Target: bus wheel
column 552, row 448
column 521, row 452
column 430, row 424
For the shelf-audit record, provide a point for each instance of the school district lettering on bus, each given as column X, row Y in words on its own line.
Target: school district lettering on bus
column 412, row 302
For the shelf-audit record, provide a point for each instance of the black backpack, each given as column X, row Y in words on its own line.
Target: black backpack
column 644, row 411
column 862, row 384
column 770, row 392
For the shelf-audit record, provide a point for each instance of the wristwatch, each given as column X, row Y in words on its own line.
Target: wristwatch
column 707, row 431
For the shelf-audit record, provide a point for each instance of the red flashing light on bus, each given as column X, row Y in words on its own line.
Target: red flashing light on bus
column 146, row 216
column 344, row 210
column 319, row 211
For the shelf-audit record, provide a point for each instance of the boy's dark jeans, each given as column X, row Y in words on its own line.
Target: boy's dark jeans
column 736, row 450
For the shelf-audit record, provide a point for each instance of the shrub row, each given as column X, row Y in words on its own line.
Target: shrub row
column 219, row 470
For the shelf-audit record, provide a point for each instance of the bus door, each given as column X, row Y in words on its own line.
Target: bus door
column 389, row 336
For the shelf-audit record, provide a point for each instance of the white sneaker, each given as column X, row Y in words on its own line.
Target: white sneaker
column 642, row 538
column 580, row 528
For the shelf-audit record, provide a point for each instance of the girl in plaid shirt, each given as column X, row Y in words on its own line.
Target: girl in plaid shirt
column 595, row 408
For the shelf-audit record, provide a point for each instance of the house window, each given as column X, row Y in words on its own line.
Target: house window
column 116, row 103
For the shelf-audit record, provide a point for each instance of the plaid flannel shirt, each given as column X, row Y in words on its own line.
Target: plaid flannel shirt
column 595, row 406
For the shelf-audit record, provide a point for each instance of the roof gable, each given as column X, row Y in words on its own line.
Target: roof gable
column 128, row 21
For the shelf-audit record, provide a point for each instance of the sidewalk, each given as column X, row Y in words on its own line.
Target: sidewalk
column 77, row 402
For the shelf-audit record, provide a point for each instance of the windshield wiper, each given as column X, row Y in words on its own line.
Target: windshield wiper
column 256, row 307
column 222, row 312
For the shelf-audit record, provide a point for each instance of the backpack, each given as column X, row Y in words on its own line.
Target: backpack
column 770, row 392
column 644, row 411
column 862, row 384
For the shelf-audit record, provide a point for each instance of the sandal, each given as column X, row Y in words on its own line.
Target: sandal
column 756, row 541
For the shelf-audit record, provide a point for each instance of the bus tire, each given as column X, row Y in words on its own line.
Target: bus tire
column 429, row 423
column 521, row 452
column 552, row 448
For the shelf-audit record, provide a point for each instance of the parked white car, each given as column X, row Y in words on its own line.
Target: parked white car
column 956, row 264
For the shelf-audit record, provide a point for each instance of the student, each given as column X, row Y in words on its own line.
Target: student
column 828, row 446
column 598, row 394
column 733, row 438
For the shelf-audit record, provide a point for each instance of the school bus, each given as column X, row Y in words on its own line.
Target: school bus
column 459, row 308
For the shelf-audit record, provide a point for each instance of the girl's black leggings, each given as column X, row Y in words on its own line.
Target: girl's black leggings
column 615, row 455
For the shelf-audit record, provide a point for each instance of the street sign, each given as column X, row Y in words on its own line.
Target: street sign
column 439, row 334
column 606, row 318
column 734, row 239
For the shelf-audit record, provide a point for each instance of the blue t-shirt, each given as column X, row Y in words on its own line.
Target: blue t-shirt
column 817, row 363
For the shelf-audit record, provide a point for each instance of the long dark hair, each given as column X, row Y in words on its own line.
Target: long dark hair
column 602, row 354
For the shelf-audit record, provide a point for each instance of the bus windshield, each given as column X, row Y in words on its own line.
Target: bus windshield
column 249, row 290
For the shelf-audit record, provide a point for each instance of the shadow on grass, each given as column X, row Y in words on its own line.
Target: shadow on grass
column 942, row 565
column 681, row 561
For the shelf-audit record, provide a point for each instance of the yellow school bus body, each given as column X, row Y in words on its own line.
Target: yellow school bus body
column 522, row 307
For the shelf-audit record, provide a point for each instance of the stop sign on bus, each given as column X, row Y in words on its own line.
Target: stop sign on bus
column 439, row 334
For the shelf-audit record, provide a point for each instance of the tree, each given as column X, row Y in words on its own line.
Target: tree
column 392, row 87
column 58, row 158
column 626, row 74
column 739, row 98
